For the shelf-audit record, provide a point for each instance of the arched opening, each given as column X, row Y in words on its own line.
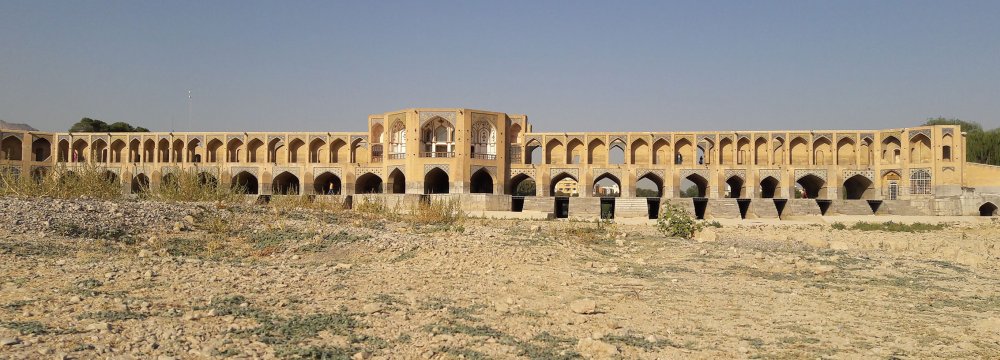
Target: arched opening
column 606, row 185
column 140, row 184
column 597, row 153
column 277, row 152
column 649, row 185
column 812, row 187
column 10, row 148
column 296, row 151
column 192, row 151
column 514, row 134
column 212, row 151
column 436, row 182
column 891, row 181
column 178, row 153
column 368, row 184
column 149, row 151
column 760, row 151
column 866, row 156
column 616, row 152
column 574, row 152
column 359, row 151
column 41, row 149
column 339, row 151
column 326, row 184
column 779, row 151
column 769, row 187
column 734, row 187
column 920, row 149
column 80, row 151
column 481, row 182
column 890, row 150
column 800, row 151
column 682, row 152
column 117, row 148
column 822, row 152
column 522, row 185
column 743, row 151
column 661, row 152
column 988, row 209
column 397, row 182
column 484, row 140
column 532, row 153
column 100, row 151
column 245, row 183
column 207, row 180
column 438, row 138
column 946, row 141
column 640, row 152
column 235, row 151
column 845, row 152
column 134, row 155
column 163, row 150
column 256, row 151
column 555, row 152
column 858, row 187
column 285, row 184
column 694, row 185
column 726, row 151
column 564, row 185
column 318, row 151
column 63, row 151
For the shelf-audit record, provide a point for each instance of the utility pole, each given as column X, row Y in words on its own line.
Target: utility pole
column 189, row 112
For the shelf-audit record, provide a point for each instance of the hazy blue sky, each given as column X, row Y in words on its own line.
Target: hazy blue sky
column 569, row 65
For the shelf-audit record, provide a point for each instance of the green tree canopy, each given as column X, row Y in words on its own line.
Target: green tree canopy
column 94, row 125
column 982, row 146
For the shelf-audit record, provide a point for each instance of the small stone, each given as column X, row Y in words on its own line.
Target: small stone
column 75, row 299
column 360, row 355
column 534, row 228
column 178, row 226
column 145, row 253
column 189, row 219
column 759, row 256
column 9, row 341
column 295, row 257
column 147, row 275
column 342, row 266
column 372, row 308
column 584, row 306
column 823, row 269
column 596, row 349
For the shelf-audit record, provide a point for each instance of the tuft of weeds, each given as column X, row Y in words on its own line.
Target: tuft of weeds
column 16, row 305
column 104, row 232
column 110, row 315
column 638, row 342
column 31, row 248
column 890, row 226
column 27, row 327
column 182, row 246
column 441, row 213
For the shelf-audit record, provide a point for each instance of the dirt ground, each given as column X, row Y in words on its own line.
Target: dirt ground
column 200, row 282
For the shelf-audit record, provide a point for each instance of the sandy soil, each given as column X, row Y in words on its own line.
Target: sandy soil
column 210, row 283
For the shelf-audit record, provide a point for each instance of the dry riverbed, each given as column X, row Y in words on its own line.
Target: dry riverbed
column 92, row 279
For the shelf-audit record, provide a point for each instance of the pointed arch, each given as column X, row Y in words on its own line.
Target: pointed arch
column 213, row 151
column 436, row 181
column 726, row 151
column 514, row 134
column 397, row 182
column 100, row 151
column 368, row 183
column 858, row 187
column 735, row 188
column 743, row 152
column 532, row 152
column 523, row 185
column 339, row 151
column 10, row 148
column 769, row 187
column 574, row 152
column 699, row 187
column 63, row 151
column 41, row 149
column 891, row 148
column 192, row 151
column 149, row 151
column 988, row 209
column 297, row 151
column 481, row 182
column 813, row 187
column 327, row 184
column 163, row 150
column 640, row 152
column 256, row 151
column 760, row 151
column 597, row 152
column 649, row 185
column 799, row 149
column 285, row 183
column 822, row 151
column 277, row 152
column 555, row 152
column 359, row 151
column 140, row 184
column 778, row 158
column 616, row 152
column 846, row 152
column 117, row 148
column 606, row 185
column 245, row 183
column 920, row 149
column 397, row 140
column 178, row 151
column 684, row 152
column 661, row 152
column 570, row 191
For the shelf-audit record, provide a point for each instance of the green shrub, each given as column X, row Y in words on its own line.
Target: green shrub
column 675, row 221
column 838, row 226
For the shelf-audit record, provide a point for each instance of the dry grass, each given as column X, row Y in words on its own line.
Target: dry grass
column 62, row 182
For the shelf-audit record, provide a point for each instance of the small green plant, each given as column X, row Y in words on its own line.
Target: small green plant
column 896, row 227
column 713, row 223
column 675, row 221
column 838, row 226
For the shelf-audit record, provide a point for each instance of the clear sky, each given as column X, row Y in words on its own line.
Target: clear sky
column 569, row 65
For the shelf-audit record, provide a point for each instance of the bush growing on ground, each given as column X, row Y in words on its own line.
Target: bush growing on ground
column 890, row 226
column 61, row 182
column 437, row 212
column 675, row 221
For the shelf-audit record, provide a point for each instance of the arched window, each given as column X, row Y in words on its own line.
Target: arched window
column 484, row 140
column 920, row 182
column 397, row 141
